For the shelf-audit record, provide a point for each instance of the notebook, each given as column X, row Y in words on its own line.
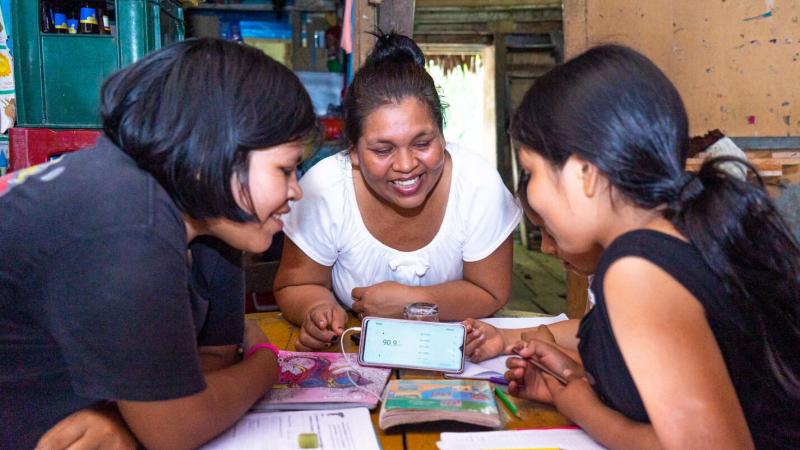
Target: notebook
column 345, row 429
column 496, row 367
column 319, row 381
column 416, row 401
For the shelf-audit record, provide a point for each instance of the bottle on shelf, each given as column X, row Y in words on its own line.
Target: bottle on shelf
column 88, row 23
column 72, row 24
column 109, row 17
column 104, row 26
column 60, row 22
column 100, row 12
column 47, row 17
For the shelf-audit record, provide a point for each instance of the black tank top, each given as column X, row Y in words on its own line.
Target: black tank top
column 773, row 419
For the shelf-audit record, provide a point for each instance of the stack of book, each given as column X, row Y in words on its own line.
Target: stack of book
column 320, row 381
column 415, row 401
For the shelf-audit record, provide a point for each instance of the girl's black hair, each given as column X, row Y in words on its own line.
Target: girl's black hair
column 613, row 107
column 393, row 71
column 191, row 113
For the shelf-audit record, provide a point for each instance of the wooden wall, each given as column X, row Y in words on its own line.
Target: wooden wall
column 736, row 63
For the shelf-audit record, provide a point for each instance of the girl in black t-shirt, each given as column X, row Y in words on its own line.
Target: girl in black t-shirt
column 121, row 301
column 695, row 337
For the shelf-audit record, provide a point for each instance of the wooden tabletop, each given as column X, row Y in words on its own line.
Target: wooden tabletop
column 416, row 436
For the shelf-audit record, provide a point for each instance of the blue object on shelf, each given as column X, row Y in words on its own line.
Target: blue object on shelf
column 3, row 163
column 265, row 30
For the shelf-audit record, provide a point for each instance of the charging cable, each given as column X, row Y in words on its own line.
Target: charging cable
column 352, row 365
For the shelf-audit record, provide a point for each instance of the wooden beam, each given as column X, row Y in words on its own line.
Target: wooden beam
column 444, row 15
column 456, row 38
column 576, row 33
column 397, row 15
column 365, row 21
column 473, row 3
column 501, row 109
column 487, row 28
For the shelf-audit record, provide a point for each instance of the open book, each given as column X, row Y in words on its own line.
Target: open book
column 496, row 367
column 415, row 401
column 320, row 381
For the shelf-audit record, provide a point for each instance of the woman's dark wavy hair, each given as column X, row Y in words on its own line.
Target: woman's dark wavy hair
column 393, row 71
column 191, row 113
column 613, row 107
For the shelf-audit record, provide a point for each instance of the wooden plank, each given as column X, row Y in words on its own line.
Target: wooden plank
column 473, row 3
column 576, row 39
column 365, row 21
column 397, row 15
column 734, row 63
column 455, row 38
column 486, row 28
column 487, row 14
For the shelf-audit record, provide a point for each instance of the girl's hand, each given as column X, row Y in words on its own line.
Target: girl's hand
column 323, row 325
column 385, row 299
column 95, row 428
column 484, row 341
column 575, row 397
column 528, row 381
column 253, row 335
column 541, row 333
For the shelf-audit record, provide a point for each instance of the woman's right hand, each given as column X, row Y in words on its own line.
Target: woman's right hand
column 323, row 323
column 484, row 341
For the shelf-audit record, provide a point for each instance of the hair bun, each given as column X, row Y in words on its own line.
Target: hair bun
column 396, row 48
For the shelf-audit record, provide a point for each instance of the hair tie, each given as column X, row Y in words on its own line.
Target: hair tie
column 691, row 187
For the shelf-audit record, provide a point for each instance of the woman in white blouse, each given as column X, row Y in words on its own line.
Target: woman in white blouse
column 400, row 217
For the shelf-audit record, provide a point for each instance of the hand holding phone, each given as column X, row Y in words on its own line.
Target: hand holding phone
column 412, row 344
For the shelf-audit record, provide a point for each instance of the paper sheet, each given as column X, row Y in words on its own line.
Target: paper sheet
column 557, row 438
column 495, row 367
column 346, row 429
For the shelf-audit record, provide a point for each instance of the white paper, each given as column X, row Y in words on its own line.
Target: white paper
column 523, row 322
column 561, row 438
column 496, row 367
column 346, row 429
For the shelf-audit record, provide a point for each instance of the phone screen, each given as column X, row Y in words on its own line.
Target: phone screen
column 412, row 344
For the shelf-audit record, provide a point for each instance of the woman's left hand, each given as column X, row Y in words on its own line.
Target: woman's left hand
column 385, row 299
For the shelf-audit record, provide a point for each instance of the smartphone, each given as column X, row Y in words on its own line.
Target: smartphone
column 412, row 344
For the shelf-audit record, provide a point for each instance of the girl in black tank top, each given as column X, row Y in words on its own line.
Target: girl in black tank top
column 695, row 337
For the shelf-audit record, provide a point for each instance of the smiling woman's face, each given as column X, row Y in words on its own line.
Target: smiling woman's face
column 400, row 153
column 272, row 179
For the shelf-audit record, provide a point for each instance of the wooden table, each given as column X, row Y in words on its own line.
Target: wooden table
column 416, row 436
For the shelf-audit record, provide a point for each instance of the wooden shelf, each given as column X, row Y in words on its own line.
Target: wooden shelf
column 769, row 164
column 267, row 7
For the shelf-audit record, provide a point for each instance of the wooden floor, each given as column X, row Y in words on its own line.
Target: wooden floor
column 538, row 283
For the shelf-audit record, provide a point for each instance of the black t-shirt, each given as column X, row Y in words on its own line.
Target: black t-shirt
column 774, row 421
column 98, row 299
